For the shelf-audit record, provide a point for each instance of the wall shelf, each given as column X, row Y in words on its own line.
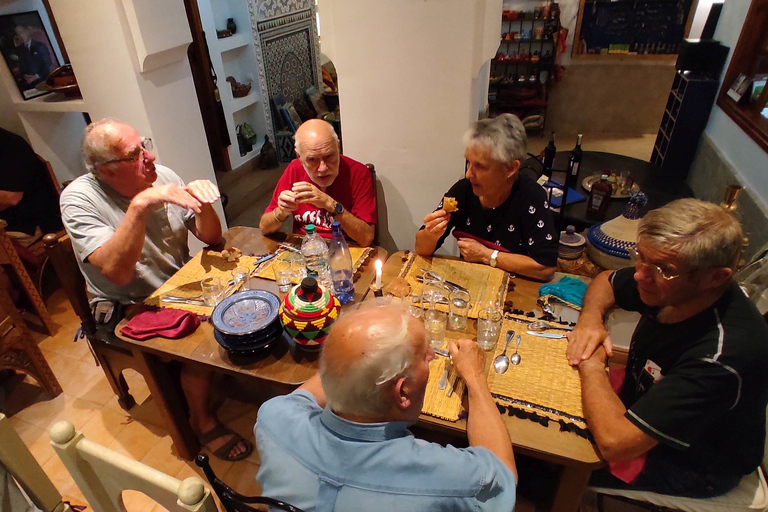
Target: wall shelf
column 246, row 101
column 51, row 103
column 233, row 42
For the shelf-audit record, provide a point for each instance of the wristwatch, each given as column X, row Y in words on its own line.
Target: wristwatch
column 494, row 255
column 338, row 209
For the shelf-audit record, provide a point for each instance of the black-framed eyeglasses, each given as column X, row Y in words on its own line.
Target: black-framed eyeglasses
column 637, row 259
column 146, row 145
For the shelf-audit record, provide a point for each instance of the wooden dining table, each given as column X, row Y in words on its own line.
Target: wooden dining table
column 285, row 367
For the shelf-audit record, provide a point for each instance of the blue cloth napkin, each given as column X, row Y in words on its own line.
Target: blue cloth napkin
column 569, row 289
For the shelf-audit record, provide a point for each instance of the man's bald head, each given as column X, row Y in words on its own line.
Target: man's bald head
column 366, row 352
column 317, row 147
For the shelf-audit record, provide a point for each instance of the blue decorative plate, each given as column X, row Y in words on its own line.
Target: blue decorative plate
column 245, row 312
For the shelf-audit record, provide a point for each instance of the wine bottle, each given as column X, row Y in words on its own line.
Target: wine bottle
column 574, row 164
column 549, row 156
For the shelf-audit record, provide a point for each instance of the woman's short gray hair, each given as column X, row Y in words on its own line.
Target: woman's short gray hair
column 100, row 143
column 504, row 135
column 700, row 234
column 378, row 348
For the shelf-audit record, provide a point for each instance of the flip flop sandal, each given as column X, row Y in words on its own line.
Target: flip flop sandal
column 223, row 452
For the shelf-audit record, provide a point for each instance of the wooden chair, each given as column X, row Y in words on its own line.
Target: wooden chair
column 231, row 499
column 19, row 351
column 102, row 475
column 372, row 168
column 113, row 355
column 19, row 462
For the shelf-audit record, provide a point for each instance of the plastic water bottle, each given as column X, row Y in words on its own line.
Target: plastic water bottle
column 341, row 266
column 315, row 253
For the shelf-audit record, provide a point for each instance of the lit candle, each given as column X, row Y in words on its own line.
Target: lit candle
column 378, row 273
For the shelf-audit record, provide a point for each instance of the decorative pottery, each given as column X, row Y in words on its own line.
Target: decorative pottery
column 608, row 243
column 307, row 313
column 571, row 244
column 231, row 25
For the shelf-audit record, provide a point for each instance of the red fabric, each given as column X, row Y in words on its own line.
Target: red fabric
column 353, row 188
column 627, row 471
column 461, row 234
column 165, row 322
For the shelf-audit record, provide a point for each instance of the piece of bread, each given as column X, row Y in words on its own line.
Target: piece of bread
column 450, row 205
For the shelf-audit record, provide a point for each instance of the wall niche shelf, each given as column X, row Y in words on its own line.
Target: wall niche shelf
column 233, row 42
column 50, row 103
column 244, row 102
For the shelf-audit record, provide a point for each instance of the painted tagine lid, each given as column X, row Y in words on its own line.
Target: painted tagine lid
column 307, row 313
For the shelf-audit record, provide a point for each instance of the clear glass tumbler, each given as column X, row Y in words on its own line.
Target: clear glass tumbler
column 434, row 322
column 414, row 305
column 459, row 309
column 241, row 274
column 283, row 273
column 211, row 290
column 488, row 327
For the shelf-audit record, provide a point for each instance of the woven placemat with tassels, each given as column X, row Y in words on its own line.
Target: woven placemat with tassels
column 437, row 403
column 359, row 256
column 482, row 281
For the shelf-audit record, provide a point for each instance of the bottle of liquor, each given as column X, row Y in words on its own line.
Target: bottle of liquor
column 599, row 197
column 549, row 156
column 574, row 164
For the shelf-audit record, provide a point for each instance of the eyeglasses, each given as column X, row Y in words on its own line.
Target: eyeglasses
column 637, row 258
column 146, row 145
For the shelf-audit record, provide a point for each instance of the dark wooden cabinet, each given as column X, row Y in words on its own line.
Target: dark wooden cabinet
column 685, row 117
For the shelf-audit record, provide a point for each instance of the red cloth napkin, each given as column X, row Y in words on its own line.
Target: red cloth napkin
column 626, row 471
column 165, row 322
column 461, row 234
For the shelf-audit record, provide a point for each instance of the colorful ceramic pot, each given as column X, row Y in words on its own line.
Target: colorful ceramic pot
column 307, row 313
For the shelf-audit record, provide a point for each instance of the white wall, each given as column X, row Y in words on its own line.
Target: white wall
column 407, row 92
column 749, row 161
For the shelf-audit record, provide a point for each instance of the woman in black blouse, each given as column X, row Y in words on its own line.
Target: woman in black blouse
column 503, row 219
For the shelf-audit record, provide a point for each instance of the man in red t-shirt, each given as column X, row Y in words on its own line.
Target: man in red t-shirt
column 322, row 186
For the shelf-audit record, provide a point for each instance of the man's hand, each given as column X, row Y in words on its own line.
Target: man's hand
column 204, row 191
column 468, row 359
column 436, row 222
column 286, row 201
column 170, row 193
column 586, row 338
column 473, row 251
column 597, row 361
column 308, row 193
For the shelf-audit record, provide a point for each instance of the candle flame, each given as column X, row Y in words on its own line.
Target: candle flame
column 378, row 265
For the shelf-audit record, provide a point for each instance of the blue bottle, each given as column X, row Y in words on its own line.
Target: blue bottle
column 341, row 266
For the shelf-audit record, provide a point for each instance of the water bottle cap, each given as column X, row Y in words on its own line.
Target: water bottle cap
column 336, row 226
column 310, row 228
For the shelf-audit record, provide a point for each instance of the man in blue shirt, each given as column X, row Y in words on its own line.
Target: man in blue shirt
column 340, row 442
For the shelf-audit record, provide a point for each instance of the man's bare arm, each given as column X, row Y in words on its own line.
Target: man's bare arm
column 617, row 438
column 590, row 332
column 8, row 199
column 475, row 252
column 356, row 229
column 207, row 224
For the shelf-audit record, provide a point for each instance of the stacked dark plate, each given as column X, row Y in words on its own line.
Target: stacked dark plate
column 247, row 323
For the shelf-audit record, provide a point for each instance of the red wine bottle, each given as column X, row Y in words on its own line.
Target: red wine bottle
column 549, row 156
column 574, row 164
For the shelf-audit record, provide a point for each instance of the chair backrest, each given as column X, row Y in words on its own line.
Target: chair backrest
column 19, row 462
column 102, row 475
column 62, row 257
column 372, row 168
column 231, row 499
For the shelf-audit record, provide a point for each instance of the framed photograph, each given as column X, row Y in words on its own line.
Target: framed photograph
column 27, row 49
column 739, row 87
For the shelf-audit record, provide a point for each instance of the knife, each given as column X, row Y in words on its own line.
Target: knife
column 182, row 300
column 549, row 335
column 265, row 258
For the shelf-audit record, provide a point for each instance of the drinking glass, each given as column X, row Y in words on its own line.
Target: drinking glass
column 434, row 322
column 432, row 294
column 283, row 273
column 488, row 327
column 414, row 305
column 298, row 267
column 241, row 274
column 211, row 288
column 459, row 307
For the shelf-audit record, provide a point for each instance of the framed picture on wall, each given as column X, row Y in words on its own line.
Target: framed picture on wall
column 739, row 87
column 27, row 50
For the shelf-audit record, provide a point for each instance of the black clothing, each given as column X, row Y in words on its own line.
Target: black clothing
column 700, row 386
column 22, row 171
column 523, row 223
column 33, row 60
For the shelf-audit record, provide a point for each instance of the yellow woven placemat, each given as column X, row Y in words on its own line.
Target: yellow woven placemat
column 482, row 281
column 186, row 282
column 543, row 384
column 359, row 256
column 436, row 401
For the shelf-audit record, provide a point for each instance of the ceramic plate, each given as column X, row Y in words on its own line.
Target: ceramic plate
column 249, row 348
column 621, row 194
column 245, row 312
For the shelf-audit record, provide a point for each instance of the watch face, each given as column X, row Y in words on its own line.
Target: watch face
column 338, row 209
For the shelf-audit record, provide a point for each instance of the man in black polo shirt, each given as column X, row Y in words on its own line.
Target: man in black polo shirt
column 28, row 203
column 689, row 419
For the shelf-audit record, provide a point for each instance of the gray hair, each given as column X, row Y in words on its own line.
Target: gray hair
column 699, row 233
column 504, row 135
column 377, row 348
column 333, row 134
column 100, row 145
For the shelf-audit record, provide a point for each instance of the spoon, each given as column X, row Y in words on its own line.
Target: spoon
column 501, row 363
column 516, row 357
column 540, row 325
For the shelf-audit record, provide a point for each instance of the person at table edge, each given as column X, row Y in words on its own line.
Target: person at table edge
column 128, row 220
column 504, row 213
column 340, row 442
column 689, row 419
column 322, row 186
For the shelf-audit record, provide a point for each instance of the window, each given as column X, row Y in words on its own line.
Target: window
column 749, row 64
